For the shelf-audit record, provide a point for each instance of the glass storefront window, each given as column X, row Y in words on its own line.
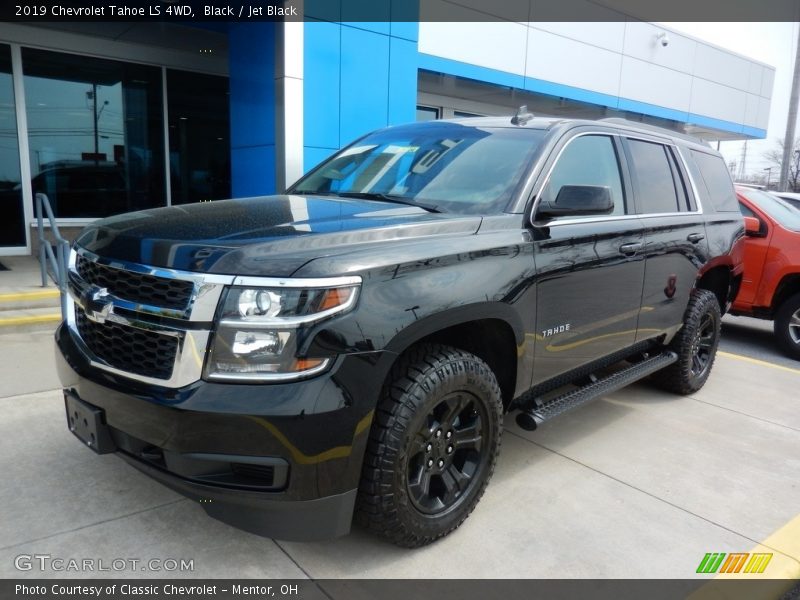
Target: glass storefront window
column 427, row 113
column 199, row 137
column 95, row 130
column 12, row 216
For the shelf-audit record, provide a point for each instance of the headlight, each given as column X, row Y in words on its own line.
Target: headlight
column 258, row 328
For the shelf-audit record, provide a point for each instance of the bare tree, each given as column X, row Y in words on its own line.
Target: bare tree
column 775, row 157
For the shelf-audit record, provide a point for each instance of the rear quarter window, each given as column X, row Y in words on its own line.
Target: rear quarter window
column 715, row 181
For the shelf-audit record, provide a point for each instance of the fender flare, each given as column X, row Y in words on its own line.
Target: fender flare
column 460, row 315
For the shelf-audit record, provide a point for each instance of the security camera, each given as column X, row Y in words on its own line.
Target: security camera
column 663, row 39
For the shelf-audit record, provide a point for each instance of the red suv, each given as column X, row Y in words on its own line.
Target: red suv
column 771, row 284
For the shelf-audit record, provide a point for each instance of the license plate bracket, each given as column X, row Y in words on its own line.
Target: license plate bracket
column 86, row 422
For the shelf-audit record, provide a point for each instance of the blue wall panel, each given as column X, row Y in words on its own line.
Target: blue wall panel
column 252, row 101
column 358, row 76
column 405, row 29
column 321, row 60
column 462, row 69
column 402, row 81
column 365, row 83
column 253, row 171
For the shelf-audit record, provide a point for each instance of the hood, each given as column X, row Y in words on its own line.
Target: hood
column 264, row 236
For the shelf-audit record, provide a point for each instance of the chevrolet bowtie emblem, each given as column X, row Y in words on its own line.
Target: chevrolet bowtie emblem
column 96, row 307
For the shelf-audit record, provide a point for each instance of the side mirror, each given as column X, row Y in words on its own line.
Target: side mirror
column 754, row 228
column 579, row 200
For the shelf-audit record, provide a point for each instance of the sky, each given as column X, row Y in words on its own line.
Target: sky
column 770, row 43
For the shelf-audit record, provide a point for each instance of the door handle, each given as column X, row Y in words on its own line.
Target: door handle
column 631, row 248
column 695, row 237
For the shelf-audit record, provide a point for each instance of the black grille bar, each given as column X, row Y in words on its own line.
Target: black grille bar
column 129, row 349
column 136, row 287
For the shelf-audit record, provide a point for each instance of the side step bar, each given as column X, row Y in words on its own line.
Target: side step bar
column 531, row 418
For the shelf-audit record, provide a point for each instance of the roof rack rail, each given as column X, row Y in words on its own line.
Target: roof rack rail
column 655, row 129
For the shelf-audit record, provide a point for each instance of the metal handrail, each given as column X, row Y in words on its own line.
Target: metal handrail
column 57, row 260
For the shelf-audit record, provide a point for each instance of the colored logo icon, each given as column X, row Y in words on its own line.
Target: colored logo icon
column 737, row 562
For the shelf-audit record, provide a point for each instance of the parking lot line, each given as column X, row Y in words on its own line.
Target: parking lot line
column 756, row 361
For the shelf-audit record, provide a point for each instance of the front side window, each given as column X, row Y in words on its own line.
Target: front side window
column 588, row 160
column 452, row 167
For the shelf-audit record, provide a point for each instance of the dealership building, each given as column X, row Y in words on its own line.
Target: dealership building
column 111, row 117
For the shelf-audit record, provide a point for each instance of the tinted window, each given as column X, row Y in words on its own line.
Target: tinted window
column 657, row 192
column 588, row 160
column 461, row 169
column 199, row 137
column 684, row 198
column 717, row 181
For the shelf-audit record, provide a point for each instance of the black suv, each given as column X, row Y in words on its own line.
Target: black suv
column 352, row 345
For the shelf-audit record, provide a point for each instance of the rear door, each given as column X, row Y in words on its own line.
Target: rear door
column 674, row 233
column 590, row 270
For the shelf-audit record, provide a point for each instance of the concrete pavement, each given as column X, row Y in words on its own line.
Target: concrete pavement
column 640, row 484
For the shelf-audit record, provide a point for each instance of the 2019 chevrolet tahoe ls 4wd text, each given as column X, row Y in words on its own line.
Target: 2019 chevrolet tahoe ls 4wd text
column 351, row 346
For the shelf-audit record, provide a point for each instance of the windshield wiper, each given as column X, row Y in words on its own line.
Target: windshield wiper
column 389, row 198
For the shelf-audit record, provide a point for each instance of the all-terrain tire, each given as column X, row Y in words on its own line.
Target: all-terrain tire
column 787, row 326
column 433, row 445
column 695, row 344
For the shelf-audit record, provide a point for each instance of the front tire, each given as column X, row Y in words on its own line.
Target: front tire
column 787, row 326
column 433, row 446
column 695, row 344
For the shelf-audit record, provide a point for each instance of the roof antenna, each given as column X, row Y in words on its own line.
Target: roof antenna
column 522, row 116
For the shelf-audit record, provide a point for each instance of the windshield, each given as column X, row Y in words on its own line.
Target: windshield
column 452, row 167
column 783, row 212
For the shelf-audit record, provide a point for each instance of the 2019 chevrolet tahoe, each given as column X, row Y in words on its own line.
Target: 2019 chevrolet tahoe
column 350, row 347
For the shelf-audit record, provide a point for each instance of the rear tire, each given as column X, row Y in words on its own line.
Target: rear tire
column 433, row 446
column 787, row 326
column 695, row 344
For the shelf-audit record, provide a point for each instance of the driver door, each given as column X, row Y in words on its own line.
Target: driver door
column 590, row 269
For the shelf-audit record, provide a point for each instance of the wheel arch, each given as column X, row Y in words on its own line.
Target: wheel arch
column 788, row 287
column 720, row 281
column 491, row 331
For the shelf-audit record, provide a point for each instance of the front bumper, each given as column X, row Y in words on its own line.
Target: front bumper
column 211, row 442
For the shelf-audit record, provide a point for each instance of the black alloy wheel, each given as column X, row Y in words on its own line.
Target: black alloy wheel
column 446, row 453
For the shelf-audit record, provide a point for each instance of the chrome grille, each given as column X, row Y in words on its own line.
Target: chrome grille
column 129, row 349
column 136, row 287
